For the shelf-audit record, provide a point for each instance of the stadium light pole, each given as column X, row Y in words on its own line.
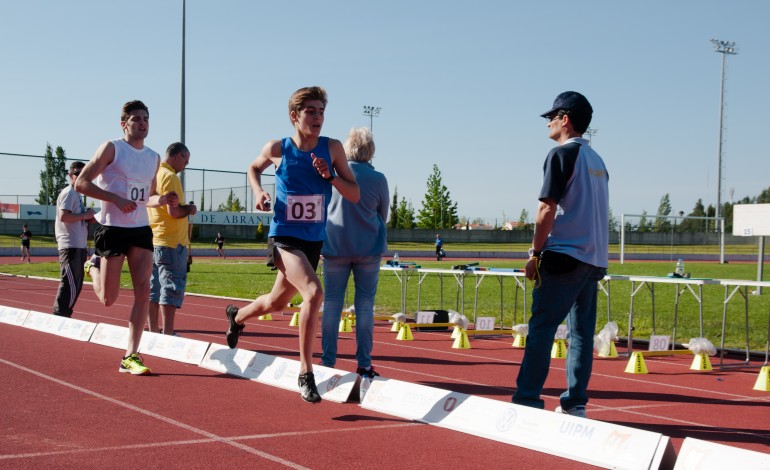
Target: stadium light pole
column 182, row 109
column 591, row 132
column 724, row 48
column 372, row 112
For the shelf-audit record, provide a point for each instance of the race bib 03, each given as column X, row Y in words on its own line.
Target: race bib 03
column 305, row 208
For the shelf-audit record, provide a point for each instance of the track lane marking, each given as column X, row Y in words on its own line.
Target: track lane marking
column 171, row 421
column 203, row 441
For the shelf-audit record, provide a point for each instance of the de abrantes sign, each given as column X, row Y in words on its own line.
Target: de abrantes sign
column 28, row 211
column 232, row 218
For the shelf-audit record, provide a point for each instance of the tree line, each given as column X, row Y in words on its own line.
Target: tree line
column 660, row 223
column 53, row 177
column 438, row 211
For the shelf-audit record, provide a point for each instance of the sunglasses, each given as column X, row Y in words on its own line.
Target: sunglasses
column 553, row 116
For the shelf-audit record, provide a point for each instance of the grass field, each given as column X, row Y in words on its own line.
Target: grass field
column 247, row 279
column 750, row 249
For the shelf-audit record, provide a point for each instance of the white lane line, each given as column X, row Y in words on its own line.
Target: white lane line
column 759, row 434
column 201, row 441
column 165, row 419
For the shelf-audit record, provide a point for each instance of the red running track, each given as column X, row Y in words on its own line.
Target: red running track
column 66, row 406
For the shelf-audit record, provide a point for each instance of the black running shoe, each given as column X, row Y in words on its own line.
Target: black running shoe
column 370, row 372
column 308, row 389
column 235, row 329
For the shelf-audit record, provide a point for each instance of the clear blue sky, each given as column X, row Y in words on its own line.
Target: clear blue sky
column 461, row 85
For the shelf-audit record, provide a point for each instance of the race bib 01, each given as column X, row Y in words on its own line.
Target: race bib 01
column 137, row 191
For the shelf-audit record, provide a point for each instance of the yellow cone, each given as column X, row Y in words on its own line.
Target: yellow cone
column 559, row 349
column 612, row 353
column 461, row 342
column 636, row 364
column 405, row 333
column 396, row 326
column 701, row 362
column 266, row 317
column 519, row 341
column 345, row 325
column 763, row 381
column 456, row 332
column 294, row 319
column 352, row 318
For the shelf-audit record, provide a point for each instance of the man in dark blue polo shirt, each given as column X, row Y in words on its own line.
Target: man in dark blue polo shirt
column 568, row 256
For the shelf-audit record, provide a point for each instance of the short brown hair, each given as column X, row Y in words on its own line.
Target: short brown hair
column 76, row 167
column 130, row 107
column 299, row 97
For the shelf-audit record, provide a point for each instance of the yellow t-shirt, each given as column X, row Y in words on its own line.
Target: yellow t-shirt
column 166, row 230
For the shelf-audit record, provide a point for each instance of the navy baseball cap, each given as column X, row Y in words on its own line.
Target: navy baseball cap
column 570, row 101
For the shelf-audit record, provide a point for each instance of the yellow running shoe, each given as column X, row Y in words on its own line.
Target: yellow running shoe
column 133, row 365
column 94, row 261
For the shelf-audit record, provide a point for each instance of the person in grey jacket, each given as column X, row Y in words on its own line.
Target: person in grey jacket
column 71, row 230
column 355, row 240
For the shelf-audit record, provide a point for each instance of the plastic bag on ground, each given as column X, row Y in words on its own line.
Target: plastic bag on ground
column 606, row 336
column 522, row 329
column 701, row 345
column 459, row 320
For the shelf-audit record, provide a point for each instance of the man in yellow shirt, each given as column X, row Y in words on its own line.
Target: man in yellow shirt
column 170, row 240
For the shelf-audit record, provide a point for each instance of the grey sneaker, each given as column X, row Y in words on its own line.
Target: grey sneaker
column 235, row 329
column 307, row 388
column 579, row 411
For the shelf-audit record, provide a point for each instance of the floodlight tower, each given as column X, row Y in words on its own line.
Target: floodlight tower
column 182, row 87
column 372, row 112
column 724, row 48
column 591, row 132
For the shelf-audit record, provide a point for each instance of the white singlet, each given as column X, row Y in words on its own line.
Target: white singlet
column 129, row 176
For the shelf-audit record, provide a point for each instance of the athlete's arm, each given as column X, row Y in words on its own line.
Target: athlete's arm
column 345, row 182
column 270, row 155
column 105, row 155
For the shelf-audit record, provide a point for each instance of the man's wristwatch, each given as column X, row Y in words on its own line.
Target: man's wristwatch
column 331, row 177
column 534, row 254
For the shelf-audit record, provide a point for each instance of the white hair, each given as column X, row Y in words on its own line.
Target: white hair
column 359, row 146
